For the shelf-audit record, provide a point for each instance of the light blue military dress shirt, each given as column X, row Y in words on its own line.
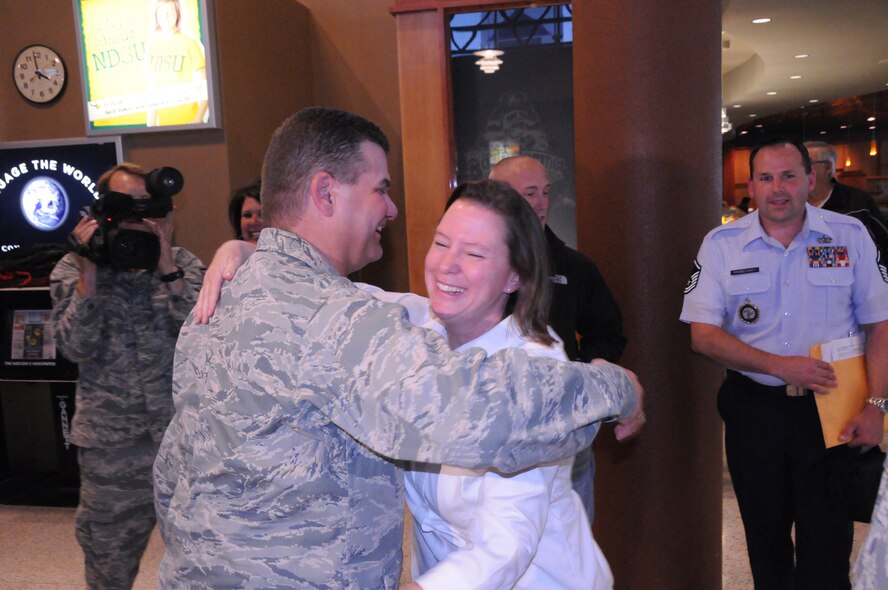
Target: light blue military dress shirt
column 823, row 286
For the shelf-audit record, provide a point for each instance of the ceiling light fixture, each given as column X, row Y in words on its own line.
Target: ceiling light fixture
column 490, row 61
column 760, row 21
column 771, row 93
column 803, row 56
column 813, row 100
column 871, row 119
column 796, row 77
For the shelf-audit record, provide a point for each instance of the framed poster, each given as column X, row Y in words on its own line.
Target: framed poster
column 147, row 65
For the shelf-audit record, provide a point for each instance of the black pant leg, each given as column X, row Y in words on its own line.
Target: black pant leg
column 783, row 476
column 824, row 533
column 756, row 454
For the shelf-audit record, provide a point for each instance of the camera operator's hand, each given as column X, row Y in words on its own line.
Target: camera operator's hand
column 163, row 229
column 82, row 233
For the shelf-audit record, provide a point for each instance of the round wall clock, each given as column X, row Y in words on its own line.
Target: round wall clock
column 39, row 73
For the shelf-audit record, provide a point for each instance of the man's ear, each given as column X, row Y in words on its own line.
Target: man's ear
column 320, row 189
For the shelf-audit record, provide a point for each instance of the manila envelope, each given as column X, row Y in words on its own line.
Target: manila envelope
column 846, row 400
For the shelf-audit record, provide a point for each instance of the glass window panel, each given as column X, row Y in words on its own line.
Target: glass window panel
column 524, row 107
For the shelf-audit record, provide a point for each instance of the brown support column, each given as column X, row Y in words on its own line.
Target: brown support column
column 648, row 152
column 425, row 130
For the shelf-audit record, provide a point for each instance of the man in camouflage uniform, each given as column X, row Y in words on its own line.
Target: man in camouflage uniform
column 121, row 328
column 275, row 471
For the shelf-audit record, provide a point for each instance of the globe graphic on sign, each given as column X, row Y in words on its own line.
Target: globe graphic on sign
column 44, row 203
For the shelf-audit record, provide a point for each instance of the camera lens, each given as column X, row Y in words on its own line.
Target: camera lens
column 164, row 182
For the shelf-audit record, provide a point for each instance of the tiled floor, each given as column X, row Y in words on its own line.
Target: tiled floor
column 38, row 550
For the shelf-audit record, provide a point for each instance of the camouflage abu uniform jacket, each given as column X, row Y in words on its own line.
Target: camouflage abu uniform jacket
column 273, row 472
column 123, row 340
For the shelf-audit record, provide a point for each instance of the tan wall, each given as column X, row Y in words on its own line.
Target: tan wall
column 22, row 26
column 275, row 57
column 212, row 161
column 356, row 68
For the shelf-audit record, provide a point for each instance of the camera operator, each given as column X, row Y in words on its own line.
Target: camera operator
column 118, row 302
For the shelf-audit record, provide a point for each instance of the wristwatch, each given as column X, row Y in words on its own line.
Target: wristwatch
column 879, row 402
column 173, row 276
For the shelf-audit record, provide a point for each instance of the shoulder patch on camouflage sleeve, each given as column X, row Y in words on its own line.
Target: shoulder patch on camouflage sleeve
column 695, row 276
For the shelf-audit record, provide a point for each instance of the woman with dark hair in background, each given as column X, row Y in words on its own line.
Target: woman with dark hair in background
column 245, row 213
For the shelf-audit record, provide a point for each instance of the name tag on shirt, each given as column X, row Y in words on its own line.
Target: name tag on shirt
column 828, row 257
column 744, row 271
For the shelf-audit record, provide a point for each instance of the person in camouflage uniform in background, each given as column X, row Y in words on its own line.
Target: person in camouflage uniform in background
column 121, row 328
column 275, row 471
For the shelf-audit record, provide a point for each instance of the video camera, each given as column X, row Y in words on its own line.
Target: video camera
column 130, row 249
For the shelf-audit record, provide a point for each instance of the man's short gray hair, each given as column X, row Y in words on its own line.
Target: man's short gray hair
column 831, row 154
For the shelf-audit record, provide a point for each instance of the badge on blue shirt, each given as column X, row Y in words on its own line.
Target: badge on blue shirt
column 748, row 312
column 828, row 257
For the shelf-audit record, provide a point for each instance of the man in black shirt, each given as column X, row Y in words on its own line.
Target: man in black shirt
column 583, row 311
column 832, row 195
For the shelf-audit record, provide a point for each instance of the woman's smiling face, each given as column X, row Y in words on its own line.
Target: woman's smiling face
column 467, row 271
column 251, row 220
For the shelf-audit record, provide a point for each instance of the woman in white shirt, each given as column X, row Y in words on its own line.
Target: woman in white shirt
column 486, row 273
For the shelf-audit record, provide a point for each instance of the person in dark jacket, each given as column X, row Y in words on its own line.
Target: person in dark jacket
column 829, row 193
column 832, row 195
column 583, row 311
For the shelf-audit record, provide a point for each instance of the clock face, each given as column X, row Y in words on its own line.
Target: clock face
column 39, row 73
